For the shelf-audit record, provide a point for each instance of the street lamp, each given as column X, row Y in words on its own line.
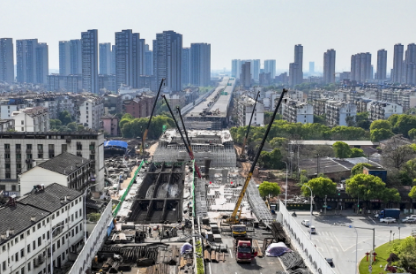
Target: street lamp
column 311, row 208
column 356, row 258
column 52, row 240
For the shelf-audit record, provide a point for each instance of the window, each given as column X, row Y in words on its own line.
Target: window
column 22, row 236
column 2, row 187
column 22, row 122
column 28, row 232
column 7, row 165
column 43, row 236
column 76, row 215
column 23, row 129
column 76, row 230
column 8, row 176
column 47, row 235
column 53, row 248
column 18, row 146
column 29, row 266
column 40, row 147
column 28, row 146
column 39, row 241
column 7, row 155
column 39, row 225
column 6, row 146
column 57, row 213
column 22, row 252
column 28, row 248
column 40, row 155
column 64, row 147
column 18, row 156
column 79, row 146
column 58, row 244
column 18, row 166
column 80, row 213
column 92, row 157
column 16, row 256
column 28, row 156
column 16, row 240
column 63, row 240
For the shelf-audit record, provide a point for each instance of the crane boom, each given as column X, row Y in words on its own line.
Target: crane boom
column 250, row 122
column 233, row 218
column 182, row 137
column 150, row 118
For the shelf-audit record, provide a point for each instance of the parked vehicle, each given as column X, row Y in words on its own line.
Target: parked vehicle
column 244, row 251
column 390, row 212
column 387, row 220
column 330, row 261
column 306, row 223
column 409, row 219
column 239, row 230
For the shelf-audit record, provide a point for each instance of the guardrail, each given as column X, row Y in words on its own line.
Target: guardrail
column 116, row 210
column 94, row 241
column 312, row 257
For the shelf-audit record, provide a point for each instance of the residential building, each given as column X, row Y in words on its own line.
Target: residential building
column 91, row 111
column 245, row 75
column 70, row 83
column 42, row 63
column 329, row 66
column 6, row 60
column 200, row 59
column 76, row 59
column 26, row 229
column 360, row 67
column 20, row 151
column 344, row 76
column 129, row 58
column 32, row 61
column 296, row 68
column 381, row 67
column 186, row 66
column 282, row 78
column 89, row 46
column 265, row 79
column 112, row 103
column 397, row 70
column 383, row 110
column 270, row 66
column 9, row 105
column 295, row 111
column 140, row 106
column 111, row 125
column 340, row 113
column 35, row 119
column 255, row 66
column 64, row 58
column 236, row 67
column 410, row 64
column 65, row 169
column 105, row 58
column 319, row 106
column 167, row 59
column 107, row 82
column 362, row 104
column 245, row 106
column 148, row 66
column 113, row 59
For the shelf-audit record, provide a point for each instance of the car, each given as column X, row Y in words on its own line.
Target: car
column 409, row 219
column 313, row 229
column 306, row 223
column 330, row 261
column 387, row 220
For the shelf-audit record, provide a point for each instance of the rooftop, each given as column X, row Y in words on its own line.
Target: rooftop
column 331, row 142
column 65, row 163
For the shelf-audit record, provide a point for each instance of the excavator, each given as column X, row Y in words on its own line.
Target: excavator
column 242, row 155
column 145, row 133
column 187, row 144
column 235, row 216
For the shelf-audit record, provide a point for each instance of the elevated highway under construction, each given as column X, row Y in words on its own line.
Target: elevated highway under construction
column 213, row 112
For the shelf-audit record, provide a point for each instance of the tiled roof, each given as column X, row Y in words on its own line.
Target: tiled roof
column 50, row 198
column 65, row 163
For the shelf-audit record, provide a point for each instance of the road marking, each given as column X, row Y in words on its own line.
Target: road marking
column 355, row 250
column 209, row 267
column 372, row 220
column 231, row 253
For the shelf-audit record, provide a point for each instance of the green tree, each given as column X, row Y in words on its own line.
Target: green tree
column 65, row 117
column 381, row 134
column 406, row 251
column 358, row 168
column 320, row 187
column 365, row 186
column 347, row 133
column 390, row 195
column 362, row 120
column 408, row 172
column 269, row 188
column 378, row 124
column 55, row 123
column 341, row 150
column 412, row 134
column 277, row 142
column 73, row 126
column 412, row 193
column 403, row 124
column 320, row 119
column 356, row 152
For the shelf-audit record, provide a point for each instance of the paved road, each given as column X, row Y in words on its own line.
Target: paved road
column 336, row 240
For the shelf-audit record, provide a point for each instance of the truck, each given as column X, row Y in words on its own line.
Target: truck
column 389, row 212
column 238, row 230
column 244, row 251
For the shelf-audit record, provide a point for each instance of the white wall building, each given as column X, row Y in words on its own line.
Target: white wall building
column 295, row 111
column 7, row 109
column 338, row 113
column 91, row 111
column 35, row 119
column 383, row 110
column 26, row 226
column 65, row 169
column 245, row 107
column 18, row 152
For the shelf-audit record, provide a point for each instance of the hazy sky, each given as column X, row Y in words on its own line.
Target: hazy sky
column 236, row 29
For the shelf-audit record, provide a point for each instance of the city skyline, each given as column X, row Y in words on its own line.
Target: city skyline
column 312, row 30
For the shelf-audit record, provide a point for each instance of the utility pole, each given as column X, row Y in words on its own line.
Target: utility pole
column 318, row 167
column 325, row 204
